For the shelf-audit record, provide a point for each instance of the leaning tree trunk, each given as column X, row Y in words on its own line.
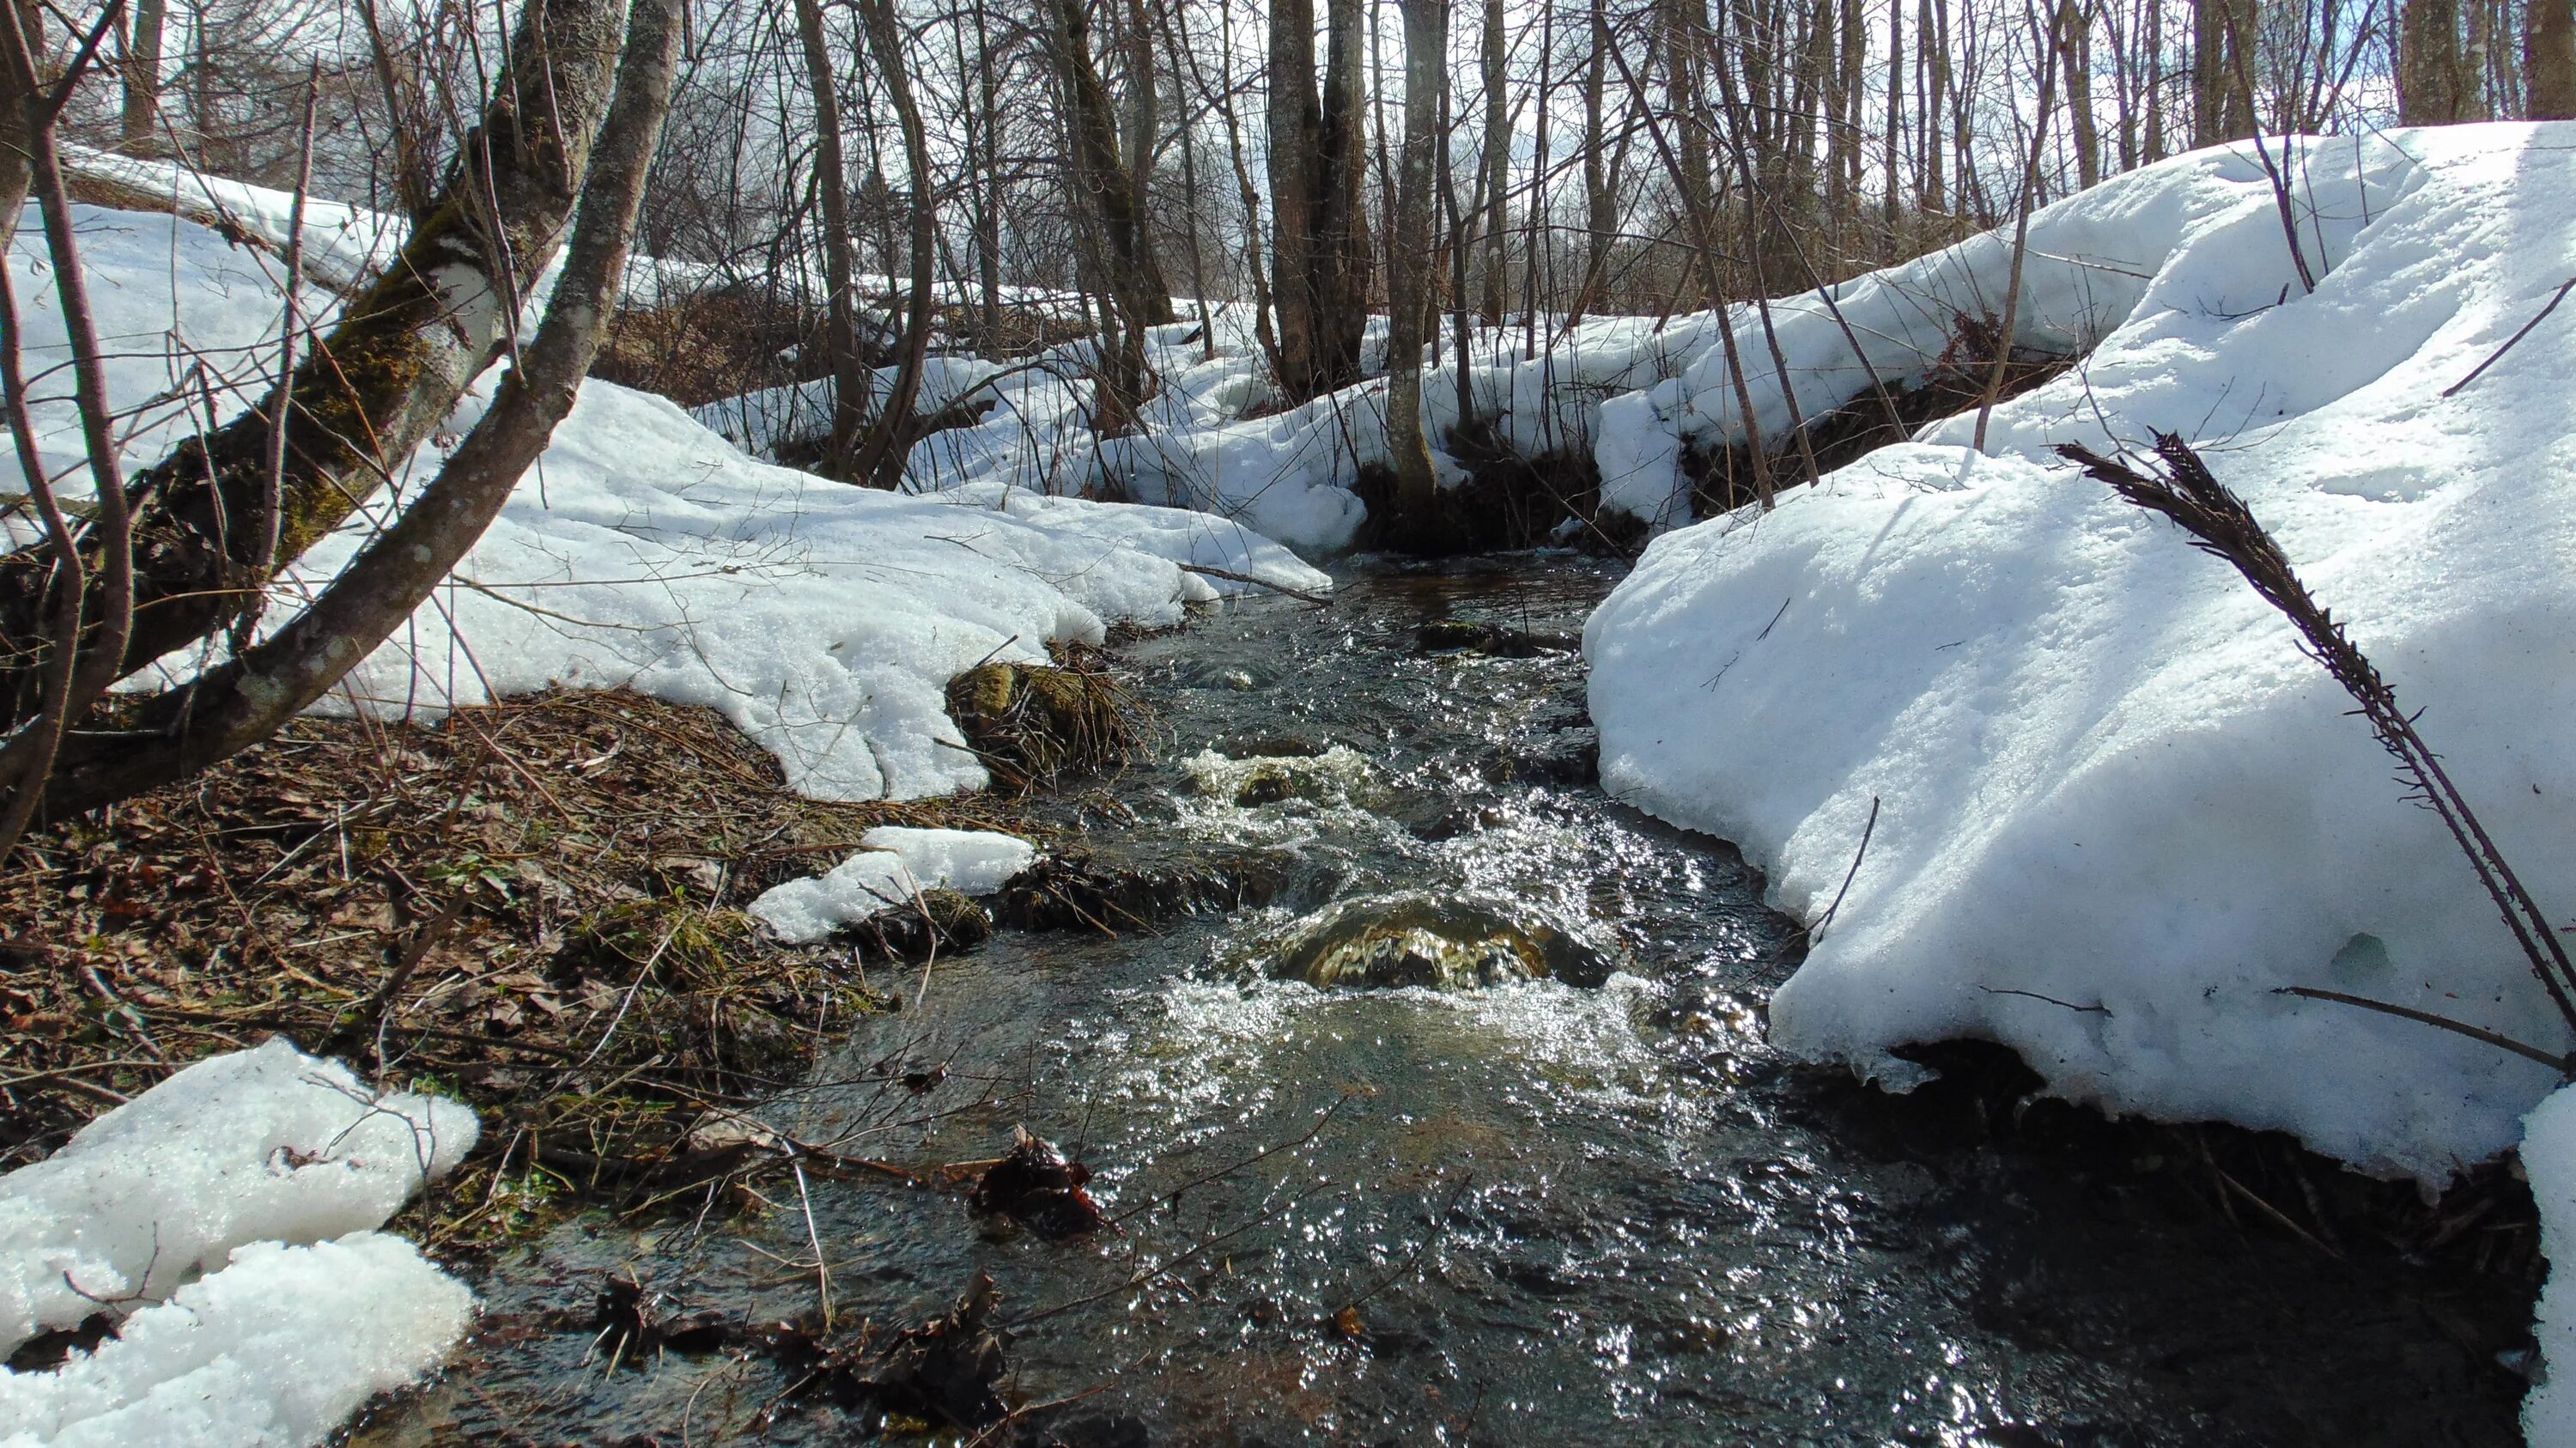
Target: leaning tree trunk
column 373, row 391
column 246, row 699
column 1426, row 45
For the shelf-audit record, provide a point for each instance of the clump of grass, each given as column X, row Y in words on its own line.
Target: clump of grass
column 1032, row 724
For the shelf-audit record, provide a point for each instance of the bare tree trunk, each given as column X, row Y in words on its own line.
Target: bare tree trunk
column 2075, row 62
column 1932, row 74
column 852, row 380
column 1600, row 203
column 2428, row 64
column 1426, row 46
column 1105, row 185
column 387, row 375
column 880, row 456
column 2151, row 143
column 984, row 179
column 1498, row 161
column 139, row 128
column 1891, row 204
column 1318, row 162
column 15, row 167
column 2549, row 59
column 246, row 699
column 1685, row 24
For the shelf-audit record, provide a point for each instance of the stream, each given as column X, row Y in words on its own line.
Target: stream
column 1459, row 1128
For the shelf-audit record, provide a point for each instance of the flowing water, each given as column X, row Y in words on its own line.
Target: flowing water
column 1464, row 1132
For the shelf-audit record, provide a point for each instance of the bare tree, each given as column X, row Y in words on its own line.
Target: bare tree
column 1426, row 51
column 1319, row 229
column 2549, row 59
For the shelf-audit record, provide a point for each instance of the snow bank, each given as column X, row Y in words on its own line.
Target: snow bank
column 256, row 1145
column 644, row 550
column 271, row 1352
column 2117, row 808
column 894, row 867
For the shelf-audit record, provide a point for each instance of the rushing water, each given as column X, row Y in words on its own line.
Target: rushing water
column 1520, row 1170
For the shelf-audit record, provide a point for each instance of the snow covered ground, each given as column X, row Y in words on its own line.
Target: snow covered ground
column 645, row 550
column 2117, row 808
column 227, row 1216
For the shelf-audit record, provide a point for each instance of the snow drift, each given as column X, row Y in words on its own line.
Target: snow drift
column 2117, row 808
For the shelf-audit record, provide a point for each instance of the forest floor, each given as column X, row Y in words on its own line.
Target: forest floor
column 533, row 906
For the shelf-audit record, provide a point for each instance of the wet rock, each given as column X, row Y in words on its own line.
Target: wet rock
column 1440, row 941
column 634, row 1322
column 1281, row 746
column 1567, row 757
column 1265, row 786
column 1036, row 1186
column 1335, row 774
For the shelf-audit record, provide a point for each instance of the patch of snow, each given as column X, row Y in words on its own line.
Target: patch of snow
column 257, row 1145
column 2118, row 808
column 2549, row 1160
column 272, row 1351
column 895, row 865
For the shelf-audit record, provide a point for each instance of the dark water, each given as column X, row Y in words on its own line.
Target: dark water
column 1585, row 1207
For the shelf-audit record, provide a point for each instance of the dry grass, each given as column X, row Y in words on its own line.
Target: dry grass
column 1033, row 724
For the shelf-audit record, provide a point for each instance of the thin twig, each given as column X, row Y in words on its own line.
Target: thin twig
column 2555, row 298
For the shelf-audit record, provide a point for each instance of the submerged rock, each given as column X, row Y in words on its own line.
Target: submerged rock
column 1458, row 635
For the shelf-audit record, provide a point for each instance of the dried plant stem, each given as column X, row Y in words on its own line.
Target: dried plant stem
column 2220, row 524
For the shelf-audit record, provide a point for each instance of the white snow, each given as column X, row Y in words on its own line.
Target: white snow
column 2118, row 808
column 227, row 1212
column 254, row 1145
column 2549, row 1160
column 273, row 1351
column 895, row 865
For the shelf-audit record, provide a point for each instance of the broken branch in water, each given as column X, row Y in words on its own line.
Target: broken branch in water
column 1320, row 600
column 2220, row 524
